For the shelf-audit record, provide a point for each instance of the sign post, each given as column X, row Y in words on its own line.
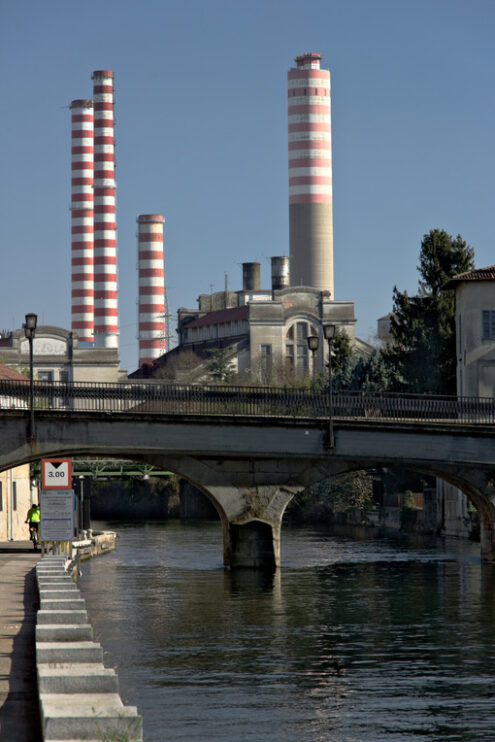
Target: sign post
column 56, row 501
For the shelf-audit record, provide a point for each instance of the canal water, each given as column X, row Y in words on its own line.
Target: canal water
column 356, row 639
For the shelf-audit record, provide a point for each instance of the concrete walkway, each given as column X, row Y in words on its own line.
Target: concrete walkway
column 19, row 706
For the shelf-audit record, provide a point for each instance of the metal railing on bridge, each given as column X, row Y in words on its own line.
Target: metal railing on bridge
column 280, row 402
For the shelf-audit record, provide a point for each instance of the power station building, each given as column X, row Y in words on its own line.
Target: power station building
column 264, row 329
column 264, row 332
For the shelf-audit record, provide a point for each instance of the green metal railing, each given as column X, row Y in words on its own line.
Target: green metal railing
column 281, row 402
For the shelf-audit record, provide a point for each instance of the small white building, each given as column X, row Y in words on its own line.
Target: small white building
column 58, row 357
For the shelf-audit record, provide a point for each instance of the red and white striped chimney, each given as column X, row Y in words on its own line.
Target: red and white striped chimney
column 105, row 251
column 310, row 175
column 151, row 301
column 82, row 219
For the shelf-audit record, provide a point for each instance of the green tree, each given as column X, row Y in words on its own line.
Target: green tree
column 370, row 374
column 421, row 356
column 219, row 366
column 342, row 363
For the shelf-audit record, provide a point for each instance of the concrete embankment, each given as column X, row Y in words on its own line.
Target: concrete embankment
column 79, row 698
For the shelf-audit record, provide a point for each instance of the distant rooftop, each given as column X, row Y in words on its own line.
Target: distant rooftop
column 10, row 373
column 219, row 317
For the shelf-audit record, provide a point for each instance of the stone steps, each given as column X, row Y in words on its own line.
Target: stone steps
column 79, row 697
column 64, row 632
column 72, row 616
column 68, row 652
column 76, row 716
column 82, row 677
column 66, row 603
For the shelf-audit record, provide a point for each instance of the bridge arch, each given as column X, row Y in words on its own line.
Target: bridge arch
column 477, row 484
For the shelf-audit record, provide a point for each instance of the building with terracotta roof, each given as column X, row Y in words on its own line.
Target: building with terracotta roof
column 262, row 332
column 475, row 331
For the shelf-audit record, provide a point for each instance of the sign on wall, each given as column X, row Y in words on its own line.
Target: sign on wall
column 57, row 515
column 56, row 474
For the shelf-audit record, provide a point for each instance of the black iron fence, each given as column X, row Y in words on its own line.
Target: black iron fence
column 281, row 402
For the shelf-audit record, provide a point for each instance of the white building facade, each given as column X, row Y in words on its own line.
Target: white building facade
column 475, row 331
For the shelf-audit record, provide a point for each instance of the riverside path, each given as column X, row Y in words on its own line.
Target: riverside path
column 19, row 709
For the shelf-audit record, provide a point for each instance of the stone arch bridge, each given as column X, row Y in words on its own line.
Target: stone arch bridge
column 251, row 449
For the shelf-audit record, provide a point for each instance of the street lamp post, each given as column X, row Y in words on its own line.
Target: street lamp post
column 80, row 514
column 329, row 333
column 313, row 343
column 29, row 332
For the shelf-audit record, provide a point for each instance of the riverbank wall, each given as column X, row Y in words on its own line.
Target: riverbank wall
column 78, row 696
column 410, row 520
column 92, row 543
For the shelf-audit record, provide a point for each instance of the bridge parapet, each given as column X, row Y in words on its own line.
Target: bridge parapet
column 276, row 402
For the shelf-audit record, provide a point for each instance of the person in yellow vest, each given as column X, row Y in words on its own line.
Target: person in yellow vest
column 33, row 518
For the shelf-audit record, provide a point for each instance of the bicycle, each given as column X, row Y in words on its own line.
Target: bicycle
column 34, row 535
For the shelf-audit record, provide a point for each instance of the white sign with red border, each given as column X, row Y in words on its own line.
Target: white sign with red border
column 56, row 474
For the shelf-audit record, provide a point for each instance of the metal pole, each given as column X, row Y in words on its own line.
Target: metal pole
column 331, row 441
column 81, row 504
column 31, row 388
column 29, row 332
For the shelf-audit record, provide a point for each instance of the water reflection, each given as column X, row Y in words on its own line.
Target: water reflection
column 356, row 638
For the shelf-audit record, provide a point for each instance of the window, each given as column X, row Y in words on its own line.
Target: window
column 45, row 376
column 296, row 348
column 14, row 495
column 301, row 331
column 1, row 496
column 488, row 324
column 289, row 355
column 302, row 360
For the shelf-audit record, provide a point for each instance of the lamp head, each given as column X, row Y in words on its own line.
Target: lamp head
column 31, row 321
column 313, row 342
column 329, row 331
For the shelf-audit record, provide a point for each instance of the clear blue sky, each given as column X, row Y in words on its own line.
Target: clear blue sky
column 201, row 133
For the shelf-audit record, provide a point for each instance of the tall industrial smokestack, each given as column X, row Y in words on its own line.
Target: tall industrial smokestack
column 151, row 302
column 310, row 175
column 82, row 219
column 105, row 268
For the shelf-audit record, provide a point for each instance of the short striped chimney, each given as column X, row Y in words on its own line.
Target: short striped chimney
column 82, row 219
column 105, row 251
column 151, row 299
column 310, row 175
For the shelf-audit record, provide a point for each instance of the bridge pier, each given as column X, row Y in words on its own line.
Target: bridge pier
column 487, row 541
column 251, row 538
column 252, row 545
